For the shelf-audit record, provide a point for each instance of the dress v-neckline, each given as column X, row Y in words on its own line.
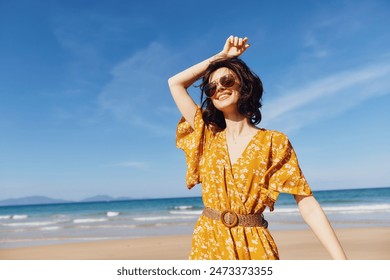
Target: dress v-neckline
column 243, row 151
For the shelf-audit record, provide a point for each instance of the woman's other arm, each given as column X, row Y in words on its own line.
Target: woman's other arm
column 315, row 217
column 178, row 84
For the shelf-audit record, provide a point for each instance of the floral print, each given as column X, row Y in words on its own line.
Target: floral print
column 267, row 167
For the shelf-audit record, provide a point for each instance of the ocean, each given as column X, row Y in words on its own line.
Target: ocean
column 31, row 225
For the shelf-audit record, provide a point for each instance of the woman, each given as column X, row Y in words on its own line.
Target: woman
column 242, row 168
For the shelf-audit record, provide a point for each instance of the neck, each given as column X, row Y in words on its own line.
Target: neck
column 237, row 125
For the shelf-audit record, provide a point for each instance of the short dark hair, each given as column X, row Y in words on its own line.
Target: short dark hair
column 251, row 92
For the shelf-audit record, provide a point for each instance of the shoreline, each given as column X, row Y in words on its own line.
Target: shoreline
column 368, row 243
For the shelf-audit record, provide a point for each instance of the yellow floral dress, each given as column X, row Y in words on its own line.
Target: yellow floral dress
column 267, row 167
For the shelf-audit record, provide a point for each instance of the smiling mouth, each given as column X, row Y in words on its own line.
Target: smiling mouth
column 223, row 96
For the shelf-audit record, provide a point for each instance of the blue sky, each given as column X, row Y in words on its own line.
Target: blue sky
column 85, row 107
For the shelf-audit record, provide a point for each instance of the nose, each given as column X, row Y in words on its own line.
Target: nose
column 219, row 87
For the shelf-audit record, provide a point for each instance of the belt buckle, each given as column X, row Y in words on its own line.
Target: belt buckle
column 227, row 222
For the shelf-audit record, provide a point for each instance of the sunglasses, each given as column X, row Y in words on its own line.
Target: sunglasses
column 226, row 81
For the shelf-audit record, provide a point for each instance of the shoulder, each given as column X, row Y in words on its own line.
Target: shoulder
column 279, row 144
column 274, row 135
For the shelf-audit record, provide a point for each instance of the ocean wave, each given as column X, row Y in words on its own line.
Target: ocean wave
column 29, row 224
column 158, row 218
column 356, row 209
column 61, row 217
column 13, row 217
column 293, row 210
column 183, row 207
column 106, row 226
column 350, row 209
column 195, row 212
column 19, row 217
column 112, row 214
column 6, row 217
column 170, row 224
column 81, row 221
column 50, row 228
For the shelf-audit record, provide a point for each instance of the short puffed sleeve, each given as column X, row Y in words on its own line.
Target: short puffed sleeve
column 191, row 141
column 284, row 175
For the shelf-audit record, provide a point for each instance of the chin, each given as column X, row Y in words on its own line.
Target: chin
column 225, row 103
column 226, row 106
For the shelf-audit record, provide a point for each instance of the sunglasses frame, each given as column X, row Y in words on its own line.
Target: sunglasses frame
column 224, row 81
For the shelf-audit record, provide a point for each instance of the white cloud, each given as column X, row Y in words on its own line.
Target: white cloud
column 138, row 88
column 327, row 97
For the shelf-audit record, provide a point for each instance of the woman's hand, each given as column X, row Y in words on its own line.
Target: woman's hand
column 234, row 46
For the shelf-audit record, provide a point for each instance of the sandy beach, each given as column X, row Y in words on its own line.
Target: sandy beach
column 359, row 244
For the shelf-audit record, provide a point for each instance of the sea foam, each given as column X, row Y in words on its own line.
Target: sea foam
column 112, row 214
column 81, row 221
column 19, row 217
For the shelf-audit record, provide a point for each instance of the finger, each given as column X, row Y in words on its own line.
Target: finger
column 228, row 41
column 240, row 41
column 235, row 41
column 231, row 41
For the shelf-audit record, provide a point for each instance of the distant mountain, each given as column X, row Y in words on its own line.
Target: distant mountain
column 99, row 198
column 31, row 200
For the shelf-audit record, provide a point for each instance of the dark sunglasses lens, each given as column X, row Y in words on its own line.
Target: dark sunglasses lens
column 227, row 81
column 209, row 89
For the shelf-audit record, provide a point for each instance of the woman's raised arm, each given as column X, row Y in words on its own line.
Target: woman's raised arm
column 178, row 84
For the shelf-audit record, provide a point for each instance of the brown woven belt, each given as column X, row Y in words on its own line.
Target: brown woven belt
column 231, row 219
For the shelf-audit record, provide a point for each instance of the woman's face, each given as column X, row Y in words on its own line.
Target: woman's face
column 225, row 85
